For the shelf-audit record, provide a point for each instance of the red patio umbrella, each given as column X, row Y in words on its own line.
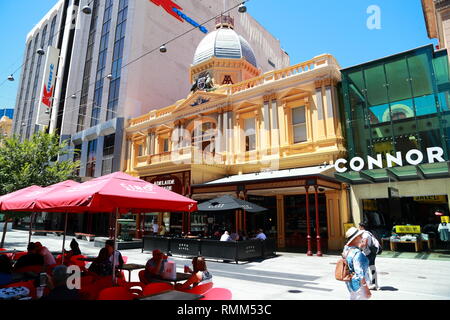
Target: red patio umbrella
column 26, row 202
column 18, row 193
column 116, row 193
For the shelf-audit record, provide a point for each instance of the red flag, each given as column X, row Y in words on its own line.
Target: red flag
column 168, row 5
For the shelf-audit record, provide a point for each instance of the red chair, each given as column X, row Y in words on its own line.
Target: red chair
column 87, row 280
column 142, row 277
column 116, row 293
column 74, row 260
column 125, row 259
column 201, row 289
column 9, row 255
column 156, row 287
column 217, row 294
column 131, row 286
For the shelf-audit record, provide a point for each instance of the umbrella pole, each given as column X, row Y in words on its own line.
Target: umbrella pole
column 31, row 227
column 115, row 247
column 64, row 239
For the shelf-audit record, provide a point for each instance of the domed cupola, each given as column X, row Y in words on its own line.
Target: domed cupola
column 227, row 50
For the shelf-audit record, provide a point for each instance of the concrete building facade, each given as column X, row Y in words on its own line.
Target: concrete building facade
column 110, row 68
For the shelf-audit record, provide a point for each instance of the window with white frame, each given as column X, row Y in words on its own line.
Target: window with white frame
column 299, row 124
column 250, row 134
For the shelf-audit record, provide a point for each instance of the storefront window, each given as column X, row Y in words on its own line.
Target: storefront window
column 296, row 221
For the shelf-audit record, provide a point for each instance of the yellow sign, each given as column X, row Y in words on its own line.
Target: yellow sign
column 445, row 219
column 431, row 199
column 347, row 226
column 370, row 205
column 407, row 229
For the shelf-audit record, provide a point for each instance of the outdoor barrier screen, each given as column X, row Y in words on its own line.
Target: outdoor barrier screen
column 152, row 243
column 223, row 250
column 219, row 249
column 185, row 247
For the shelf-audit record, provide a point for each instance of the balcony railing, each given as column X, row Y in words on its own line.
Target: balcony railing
column 186, row 155
column 317, row 62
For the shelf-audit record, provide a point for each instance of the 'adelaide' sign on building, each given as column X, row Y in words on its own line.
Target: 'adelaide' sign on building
column 412, row 157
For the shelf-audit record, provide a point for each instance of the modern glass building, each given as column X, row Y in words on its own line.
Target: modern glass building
column 396, row 109
column 396, row 104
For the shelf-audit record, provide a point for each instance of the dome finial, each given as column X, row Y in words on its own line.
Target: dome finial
column 224, row 22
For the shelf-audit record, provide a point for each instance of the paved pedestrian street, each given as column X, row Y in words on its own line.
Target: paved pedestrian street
column 295, row 276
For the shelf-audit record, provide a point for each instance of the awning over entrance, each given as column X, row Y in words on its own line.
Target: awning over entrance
column 317, row 176
column 407, row 173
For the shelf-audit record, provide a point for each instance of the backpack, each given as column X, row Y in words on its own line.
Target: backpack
column 375, row 247
column 342, row 271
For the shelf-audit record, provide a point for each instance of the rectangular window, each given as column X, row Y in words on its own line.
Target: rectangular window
column 250, row 134
column 92, row 155
column 108, row 145
column 299, row 124
column 166, row 145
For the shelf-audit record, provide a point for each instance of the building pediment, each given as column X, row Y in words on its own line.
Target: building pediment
column 294, row 92
column 199, row 99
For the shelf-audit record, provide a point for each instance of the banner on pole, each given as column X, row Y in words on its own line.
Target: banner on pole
column 48, row 87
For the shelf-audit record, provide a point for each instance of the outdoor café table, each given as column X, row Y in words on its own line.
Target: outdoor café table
column 417, row 244
column 180, row 277
column 130, row 267
column 172, row 295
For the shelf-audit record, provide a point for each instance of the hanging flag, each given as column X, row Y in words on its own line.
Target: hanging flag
column 48, row 87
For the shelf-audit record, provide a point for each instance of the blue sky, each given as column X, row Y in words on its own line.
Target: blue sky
column 304, row 28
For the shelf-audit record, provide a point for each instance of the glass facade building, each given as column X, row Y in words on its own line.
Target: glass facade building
column 397, row 104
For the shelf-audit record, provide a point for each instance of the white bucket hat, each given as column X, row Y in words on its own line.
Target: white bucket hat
column 352, row 233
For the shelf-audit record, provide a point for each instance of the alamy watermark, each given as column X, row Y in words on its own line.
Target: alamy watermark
column 374, row 19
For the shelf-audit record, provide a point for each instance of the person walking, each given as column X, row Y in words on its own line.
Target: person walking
column 371, row 248
column 358, row 265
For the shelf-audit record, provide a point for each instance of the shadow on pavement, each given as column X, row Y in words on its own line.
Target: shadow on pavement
column 387, row 289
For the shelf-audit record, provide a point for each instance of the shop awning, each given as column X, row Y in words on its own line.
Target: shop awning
column 275, row 174
column 271, row 181
column 407, row 173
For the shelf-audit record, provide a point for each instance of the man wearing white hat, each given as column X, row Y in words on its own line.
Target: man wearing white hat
column 358, row 264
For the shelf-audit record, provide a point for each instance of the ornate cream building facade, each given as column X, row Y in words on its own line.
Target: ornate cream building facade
column 266, row 137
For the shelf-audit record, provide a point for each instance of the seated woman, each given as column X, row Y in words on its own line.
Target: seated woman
column 102, row 266
column 74, row 250
column 200, row 275
column 154, row 267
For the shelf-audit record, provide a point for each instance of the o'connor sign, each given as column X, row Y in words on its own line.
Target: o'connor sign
column 176, row 11
column 412, row 157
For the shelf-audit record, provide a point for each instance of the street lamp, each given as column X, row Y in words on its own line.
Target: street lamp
column 86, row 10
column 40, row 52
column 242, row 8
column 109, row 76
column 11, row 78
column 163, row 49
